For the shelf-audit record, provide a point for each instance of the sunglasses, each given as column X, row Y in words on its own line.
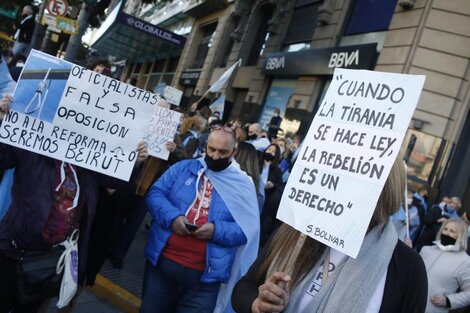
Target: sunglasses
column 225, row 128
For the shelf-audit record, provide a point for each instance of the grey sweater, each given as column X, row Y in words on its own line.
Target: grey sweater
column 448, row 274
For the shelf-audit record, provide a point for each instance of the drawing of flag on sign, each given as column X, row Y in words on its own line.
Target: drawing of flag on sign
column 75, row 115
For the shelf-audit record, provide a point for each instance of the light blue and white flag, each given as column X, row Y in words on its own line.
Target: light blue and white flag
column 218, row 106
column 217, row 85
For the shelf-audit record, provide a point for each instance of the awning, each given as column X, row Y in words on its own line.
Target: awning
column 128, row 37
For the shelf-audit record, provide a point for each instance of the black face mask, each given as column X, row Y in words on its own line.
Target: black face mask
column 268, row 157
column 217, row 165
column 447, row 240
column 251, row 137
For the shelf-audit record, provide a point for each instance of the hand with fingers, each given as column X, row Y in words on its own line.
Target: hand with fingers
column 439, row 300
column 142, row 151
column 178, row 226
column 171, row 146
column 5, row 106
column 205, row 232
column 272, row 298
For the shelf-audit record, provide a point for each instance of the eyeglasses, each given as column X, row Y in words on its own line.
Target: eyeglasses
column 225, row 128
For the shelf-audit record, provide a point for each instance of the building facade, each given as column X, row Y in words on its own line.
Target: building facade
column 289, row 49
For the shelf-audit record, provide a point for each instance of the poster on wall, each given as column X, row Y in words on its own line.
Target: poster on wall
column 277, row 98
column 347, row 155
column 72, row 114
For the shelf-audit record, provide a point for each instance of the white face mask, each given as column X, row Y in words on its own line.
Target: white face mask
column 282, row 149
column 409, row 201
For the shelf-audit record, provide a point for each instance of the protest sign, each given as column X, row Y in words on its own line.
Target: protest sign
column 172, row 95
column 69, row 113
column 347, row 155
column 162, row 128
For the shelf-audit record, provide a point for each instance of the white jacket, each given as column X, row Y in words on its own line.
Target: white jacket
column 448, row 271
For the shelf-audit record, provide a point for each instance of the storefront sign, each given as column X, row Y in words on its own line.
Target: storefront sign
column 72, row 114
column 347, row 155
column 189, row 78
column 320, row 61
column 151, row 29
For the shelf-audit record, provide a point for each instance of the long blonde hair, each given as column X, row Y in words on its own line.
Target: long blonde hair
column 280, row 248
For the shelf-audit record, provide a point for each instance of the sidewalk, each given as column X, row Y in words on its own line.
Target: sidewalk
column 115, row 291
column 123, row 288
column 87, row 303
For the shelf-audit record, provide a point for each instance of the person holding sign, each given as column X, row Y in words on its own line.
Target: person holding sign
column 448, row 268
column 386, row 276
column 51, row 200
column 205, row 231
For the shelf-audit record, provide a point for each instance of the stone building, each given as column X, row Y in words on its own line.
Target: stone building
column 289, row 49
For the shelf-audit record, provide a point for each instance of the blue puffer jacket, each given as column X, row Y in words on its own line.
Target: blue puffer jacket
column 171, row 197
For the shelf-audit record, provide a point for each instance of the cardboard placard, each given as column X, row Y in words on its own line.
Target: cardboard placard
column 162, row 128
column 347, row 155
column 72, row 114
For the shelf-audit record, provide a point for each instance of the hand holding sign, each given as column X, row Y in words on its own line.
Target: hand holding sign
column 72, row 114
column 272, row 297
column 142, row 152
column 4, row 106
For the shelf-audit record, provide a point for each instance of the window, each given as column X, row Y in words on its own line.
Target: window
column 158, row 66
column 173, row 64
column 207, row 34
column 303, row 22
column 137, row 68
column 259, row 43
column 420, row 150
column 370, row 16
column 227, row 52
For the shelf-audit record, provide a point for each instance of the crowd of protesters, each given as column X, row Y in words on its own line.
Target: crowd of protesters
column 213, row 204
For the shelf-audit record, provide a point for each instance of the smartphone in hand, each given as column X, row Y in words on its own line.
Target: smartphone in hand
column 191, row 227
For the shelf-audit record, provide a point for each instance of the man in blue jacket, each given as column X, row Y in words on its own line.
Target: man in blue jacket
column 205, row 232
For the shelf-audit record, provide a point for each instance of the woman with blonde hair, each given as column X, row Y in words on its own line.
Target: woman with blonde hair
column 386, row 276
column 187, row 140
column 448, row 268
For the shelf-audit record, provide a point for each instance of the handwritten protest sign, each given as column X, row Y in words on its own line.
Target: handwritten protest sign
column 347, row 155
column 69, row 113
column 172, row 95
column 162, row 128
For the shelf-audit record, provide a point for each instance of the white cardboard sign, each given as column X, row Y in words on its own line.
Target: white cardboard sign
column 162, row 128
column 172, row 95
column 347, row 155
column 72, row 114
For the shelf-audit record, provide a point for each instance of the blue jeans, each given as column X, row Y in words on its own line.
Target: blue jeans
column 173, row 288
